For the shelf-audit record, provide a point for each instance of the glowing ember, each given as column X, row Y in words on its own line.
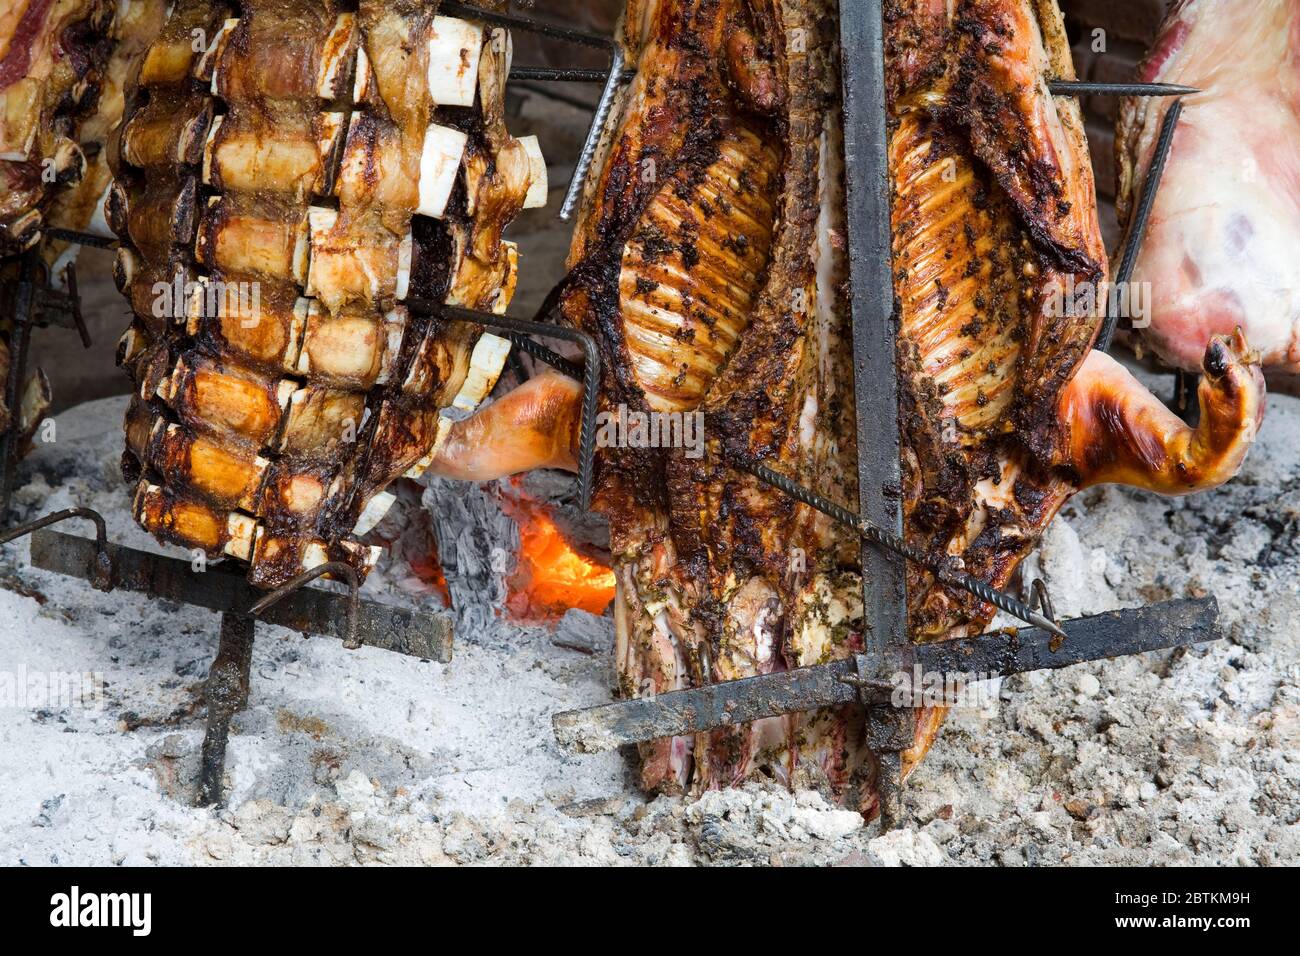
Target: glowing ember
column 550, row 577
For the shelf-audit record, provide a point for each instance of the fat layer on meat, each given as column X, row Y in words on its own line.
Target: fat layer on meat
column 1219, row 250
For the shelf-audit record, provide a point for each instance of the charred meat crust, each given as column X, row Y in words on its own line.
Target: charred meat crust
column 675, row 139
column 980, row 404
column 689, row 532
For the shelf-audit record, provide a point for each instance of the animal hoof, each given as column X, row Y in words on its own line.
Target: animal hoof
column 1228, row 352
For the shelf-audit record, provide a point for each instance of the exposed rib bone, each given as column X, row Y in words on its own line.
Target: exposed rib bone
column 538, row 186
column 454, row 49
column 205, row 66
column 444, row 148
column 238, row 237
column 192, row 523
column 291, row 155
column 225, row 477
column 336, row 57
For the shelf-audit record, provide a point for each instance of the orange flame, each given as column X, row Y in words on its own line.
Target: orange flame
column 550, row 577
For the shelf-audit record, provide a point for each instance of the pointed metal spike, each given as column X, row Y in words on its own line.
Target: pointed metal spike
column 1078, row 88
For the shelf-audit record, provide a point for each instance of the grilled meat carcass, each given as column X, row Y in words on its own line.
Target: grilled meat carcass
column 61, row 66
column 1219, row 253
column 278, row 194
column 80, row 207
column 63, row 69
column 710, row 264
column 52, row 53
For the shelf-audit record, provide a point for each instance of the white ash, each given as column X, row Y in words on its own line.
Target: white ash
column 371, row 757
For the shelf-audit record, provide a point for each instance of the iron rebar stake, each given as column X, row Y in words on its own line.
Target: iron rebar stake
column 226, row 694
column 594, row 136
column 1141, row 218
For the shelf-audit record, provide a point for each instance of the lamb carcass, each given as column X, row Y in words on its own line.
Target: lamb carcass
column 279, row 192
column 710, row 265
column 80, row 207
column 51, row 55
column 1220, row 251
column 61, row 69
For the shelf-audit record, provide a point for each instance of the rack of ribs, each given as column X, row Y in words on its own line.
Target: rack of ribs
column 709, row 263
column 278, row 193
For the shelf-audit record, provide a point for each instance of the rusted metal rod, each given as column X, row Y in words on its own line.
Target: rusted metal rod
column 1141, row 218
column 223, row 588
column 226, row 694
column 101, row 573
column 334, row 568
column 1000, row 654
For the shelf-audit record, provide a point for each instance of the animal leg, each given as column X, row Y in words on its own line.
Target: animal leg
column 1120, row 433
column 534, row 426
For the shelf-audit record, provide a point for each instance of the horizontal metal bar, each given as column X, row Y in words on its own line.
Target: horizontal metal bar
column 528, row 24
column 550, row 75
column 80, row 238
column 1180, row 623
column 1077, row 88
column 555, row 93
column 1116, row 634
column 221, row 588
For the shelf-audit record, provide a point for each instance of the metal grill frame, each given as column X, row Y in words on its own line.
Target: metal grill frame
column 887, row 647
